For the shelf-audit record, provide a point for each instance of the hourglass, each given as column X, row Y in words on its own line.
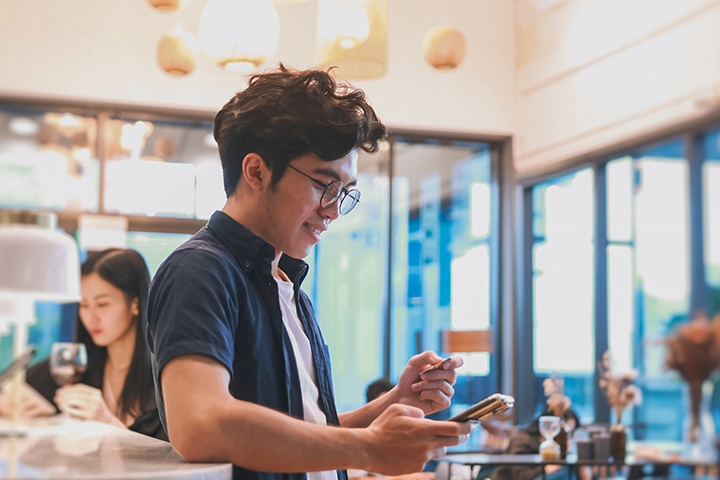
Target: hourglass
column 549, row 427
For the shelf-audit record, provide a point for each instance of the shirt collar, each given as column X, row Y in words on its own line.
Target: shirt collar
column 252, row 251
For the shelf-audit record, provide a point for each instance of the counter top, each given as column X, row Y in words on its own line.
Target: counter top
column 60, row 447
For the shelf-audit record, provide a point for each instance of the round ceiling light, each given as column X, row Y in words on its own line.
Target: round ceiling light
column 23, row 126
column 239, row 35
column 352, row 36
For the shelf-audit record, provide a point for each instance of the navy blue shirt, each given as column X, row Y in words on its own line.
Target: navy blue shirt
column 216, row 296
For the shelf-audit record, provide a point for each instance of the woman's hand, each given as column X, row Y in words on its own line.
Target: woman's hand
column 83, row 401
column 32, row 404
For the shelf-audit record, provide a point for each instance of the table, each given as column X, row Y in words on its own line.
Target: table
column 675, row 454
column 60, row 447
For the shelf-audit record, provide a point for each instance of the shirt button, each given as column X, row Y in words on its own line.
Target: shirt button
column 247, row 264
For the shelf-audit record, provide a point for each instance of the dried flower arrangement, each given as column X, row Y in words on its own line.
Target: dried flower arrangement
column 618, row 387
column 694, row 351
column 554, row 389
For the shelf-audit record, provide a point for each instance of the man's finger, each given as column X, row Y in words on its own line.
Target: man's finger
column 443, row 441
column 424, row 359
column 436, row 397
column 440, row 385
column 453, row 363
column 449, row 429
column 436, row 453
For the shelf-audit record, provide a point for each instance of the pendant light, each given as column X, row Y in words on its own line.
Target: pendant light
column 178, row 52
column 239, row 35
column 352, row 35
column 444, row 47
column 168, row 5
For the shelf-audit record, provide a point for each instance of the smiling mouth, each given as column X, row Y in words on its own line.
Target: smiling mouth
column 314, row 230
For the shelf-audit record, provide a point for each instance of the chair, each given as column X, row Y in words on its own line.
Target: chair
column 466, row 341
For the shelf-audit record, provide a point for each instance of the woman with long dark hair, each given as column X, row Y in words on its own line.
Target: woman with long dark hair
column 117, row 386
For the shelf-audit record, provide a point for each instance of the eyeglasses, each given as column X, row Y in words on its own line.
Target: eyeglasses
column 333, row 192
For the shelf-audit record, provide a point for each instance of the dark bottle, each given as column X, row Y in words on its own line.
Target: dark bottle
column 562, row 439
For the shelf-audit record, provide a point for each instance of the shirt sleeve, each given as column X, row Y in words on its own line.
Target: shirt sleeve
column 192, row 308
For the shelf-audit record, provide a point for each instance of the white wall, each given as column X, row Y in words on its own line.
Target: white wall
column 104, row 50
column 594, row 73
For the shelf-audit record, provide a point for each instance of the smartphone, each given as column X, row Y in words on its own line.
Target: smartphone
column 18, row 364
column 434, row 367
column 492, row 405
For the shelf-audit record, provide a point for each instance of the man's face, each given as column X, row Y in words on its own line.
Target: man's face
column 294, row 218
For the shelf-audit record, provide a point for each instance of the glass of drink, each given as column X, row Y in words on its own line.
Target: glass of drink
column 67, row 362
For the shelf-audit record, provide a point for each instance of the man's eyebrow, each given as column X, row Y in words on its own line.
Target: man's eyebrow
column 329, row 172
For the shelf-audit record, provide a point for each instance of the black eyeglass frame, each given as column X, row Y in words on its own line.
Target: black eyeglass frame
column 342, row 194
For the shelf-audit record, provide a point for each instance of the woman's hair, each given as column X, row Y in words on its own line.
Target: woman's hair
column 284, row 114
column 534, row 427
column 127, row 271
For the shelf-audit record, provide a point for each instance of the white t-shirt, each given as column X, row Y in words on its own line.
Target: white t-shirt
column 304, row 360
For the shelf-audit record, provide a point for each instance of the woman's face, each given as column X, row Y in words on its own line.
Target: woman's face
column 104, row 312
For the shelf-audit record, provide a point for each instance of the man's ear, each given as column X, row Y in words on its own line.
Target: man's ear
column 255, row 172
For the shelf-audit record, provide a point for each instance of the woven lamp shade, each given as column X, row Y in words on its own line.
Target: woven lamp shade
column 352, row 36
column 178, row 52
column 168, row 5
column 444, row 47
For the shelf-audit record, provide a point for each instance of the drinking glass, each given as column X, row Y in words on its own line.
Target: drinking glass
column 549, row 427
column 68, row 362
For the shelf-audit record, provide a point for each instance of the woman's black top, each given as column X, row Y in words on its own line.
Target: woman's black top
column 148, row 422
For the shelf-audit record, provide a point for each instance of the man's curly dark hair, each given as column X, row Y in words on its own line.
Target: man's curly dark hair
column 284, row 114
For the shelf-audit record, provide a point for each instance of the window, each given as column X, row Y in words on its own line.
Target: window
column 47, row 160
column 563, row 283
column 648, row 276
column 711, row 217
column 610, row 266
column 348, row 279
column 162, row 167
column 441, row 265
column 155, row 247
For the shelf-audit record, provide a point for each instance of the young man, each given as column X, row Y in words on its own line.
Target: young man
column 241, row 368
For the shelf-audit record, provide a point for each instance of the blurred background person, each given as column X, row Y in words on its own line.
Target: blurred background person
column 117, row 386
column 378, row 388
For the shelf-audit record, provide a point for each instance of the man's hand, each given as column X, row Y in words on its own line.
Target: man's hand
column 83, row 401
column 401, row 440
column 430, row 391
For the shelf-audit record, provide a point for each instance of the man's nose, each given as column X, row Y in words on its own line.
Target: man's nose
column 332, row 212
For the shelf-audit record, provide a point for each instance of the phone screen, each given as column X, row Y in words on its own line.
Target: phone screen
column 18, row 364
